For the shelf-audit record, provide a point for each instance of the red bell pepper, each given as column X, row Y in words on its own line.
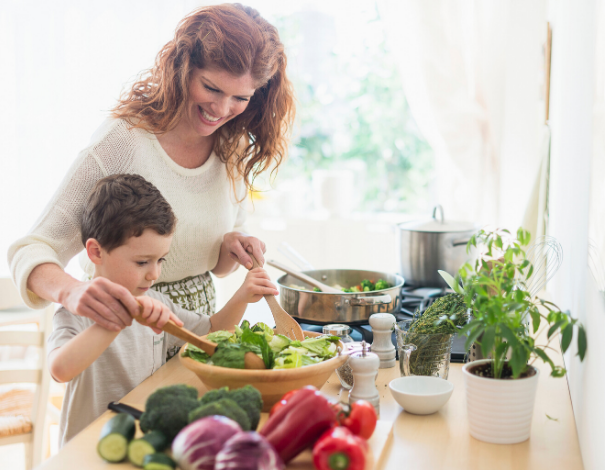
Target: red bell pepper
column 299, row 422
column 359, row 418
column 339, row 449
column 282, row 402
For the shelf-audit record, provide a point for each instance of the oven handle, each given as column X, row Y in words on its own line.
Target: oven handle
column 370, row 300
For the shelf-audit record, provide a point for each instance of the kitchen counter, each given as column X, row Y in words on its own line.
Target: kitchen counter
column 438, row 441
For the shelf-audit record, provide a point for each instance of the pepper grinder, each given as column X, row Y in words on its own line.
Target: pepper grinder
column 382, row 328
column 364, row 366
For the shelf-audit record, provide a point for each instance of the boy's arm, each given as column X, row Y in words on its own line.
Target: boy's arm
column 229, row 316
column 71, row 359
column 255, row 286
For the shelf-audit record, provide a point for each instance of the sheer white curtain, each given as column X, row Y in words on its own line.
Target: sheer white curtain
column 63, row 65
column 473, row 75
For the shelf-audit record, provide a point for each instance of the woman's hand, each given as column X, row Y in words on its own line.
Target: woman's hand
column 236, row 249
column 255, row 286
column 154, row 312
column 109, row 304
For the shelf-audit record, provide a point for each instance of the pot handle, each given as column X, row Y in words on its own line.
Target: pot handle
column 440, row 209
column 370, row 300
column 460, row 242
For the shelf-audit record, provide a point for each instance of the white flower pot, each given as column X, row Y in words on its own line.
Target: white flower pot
column 499, row 411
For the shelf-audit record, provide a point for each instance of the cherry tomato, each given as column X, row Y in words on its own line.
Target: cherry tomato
column 360, row 419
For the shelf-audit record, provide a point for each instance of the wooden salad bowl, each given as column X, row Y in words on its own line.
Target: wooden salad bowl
column 272, row 383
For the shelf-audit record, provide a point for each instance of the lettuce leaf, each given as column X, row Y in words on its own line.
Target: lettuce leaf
column 232, row 355
column 259, row 340
column 221, row 336
column 195, row 353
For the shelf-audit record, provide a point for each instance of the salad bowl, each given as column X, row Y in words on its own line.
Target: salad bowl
column 272, row 383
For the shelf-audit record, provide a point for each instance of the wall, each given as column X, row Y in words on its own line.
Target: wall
column 573, row 288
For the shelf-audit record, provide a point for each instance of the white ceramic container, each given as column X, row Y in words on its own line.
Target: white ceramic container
column 420, row 394
column 499, row 411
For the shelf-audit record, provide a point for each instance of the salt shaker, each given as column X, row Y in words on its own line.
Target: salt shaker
column 382, row 328
column 364, row 366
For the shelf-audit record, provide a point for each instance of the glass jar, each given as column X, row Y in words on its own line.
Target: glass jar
column 344, row 373
column 423, row 354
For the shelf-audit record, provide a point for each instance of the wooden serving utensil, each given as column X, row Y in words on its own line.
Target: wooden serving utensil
column 284, row 323
column 303, row 277
column 251, row 360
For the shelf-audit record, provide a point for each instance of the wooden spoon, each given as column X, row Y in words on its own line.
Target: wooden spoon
column 251, row 360
column 303, row 277
column 284, row 323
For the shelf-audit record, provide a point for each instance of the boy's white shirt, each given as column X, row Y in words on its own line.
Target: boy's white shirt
column 135, row 354
column 202, row 199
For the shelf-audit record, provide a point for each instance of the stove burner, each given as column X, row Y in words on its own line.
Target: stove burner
column 413, row 300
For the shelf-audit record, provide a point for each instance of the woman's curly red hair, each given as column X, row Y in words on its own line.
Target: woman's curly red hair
column 238, row 40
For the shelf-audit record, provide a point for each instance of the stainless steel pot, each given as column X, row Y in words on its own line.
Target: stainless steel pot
column 425, row 247
column 327, row 307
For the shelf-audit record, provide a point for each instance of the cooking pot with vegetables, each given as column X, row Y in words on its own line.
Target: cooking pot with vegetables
column 425, row 247
column 298, row 299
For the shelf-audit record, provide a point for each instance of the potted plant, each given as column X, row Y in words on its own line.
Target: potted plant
column 508, row 324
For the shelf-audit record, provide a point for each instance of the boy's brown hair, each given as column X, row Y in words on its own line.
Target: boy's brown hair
column 123, row 206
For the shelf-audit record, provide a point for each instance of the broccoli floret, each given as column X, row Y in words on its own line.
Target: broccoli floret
column 167, row 409
column 168, row 395
column 250, row 400
column 214, row 395
column 382, row 284
column 222, row 407
column 316, row 289
column 367, row 285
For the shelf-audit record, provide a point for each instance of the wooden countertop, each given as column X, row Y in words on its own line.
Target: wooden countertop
column 438, row 441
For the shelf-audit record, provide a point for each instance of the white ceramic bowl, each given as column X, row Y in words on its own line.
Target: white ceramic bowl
column 421, row 395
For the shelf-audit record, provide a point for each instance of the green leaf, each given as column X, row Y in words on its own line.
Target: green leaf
column 232, row 355
column 555, row 327
column 566, row 336
column 472, row 337
column 518, row 361
column 487, row 341
column 509, row 335
column 542, row 355
column 582, row 342
column 447, row 277
column 260, row 340
column 535, row 319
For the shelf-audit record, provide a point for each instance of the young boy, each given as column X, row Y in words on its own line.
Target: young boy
column 127, row 229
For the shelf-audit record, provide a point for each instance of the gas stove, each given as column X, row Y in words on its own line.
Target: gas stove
column 413, row 299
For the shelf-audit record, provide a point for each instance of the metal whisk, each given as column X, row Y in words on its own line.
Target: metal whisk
column 546, row 256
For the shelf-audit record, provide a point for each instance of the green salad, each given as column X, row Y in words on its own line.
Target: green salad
column 277, row 351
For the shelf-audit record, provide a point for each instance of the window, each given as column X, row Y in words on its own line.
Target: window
column 354, row 131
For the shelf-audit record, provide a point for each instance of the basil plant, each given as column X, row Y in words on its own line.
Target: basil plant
column 505, row 320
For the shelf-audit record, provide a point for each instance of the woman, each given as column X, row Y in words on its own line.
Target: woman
column 212, row 113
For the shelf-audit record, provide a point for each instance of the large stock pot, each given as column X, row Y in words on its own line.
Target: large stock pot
column 327, row 307
column 427, row 246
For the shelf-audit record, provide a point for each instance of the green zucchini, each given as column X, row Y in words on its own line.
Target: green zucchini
column 158, row 461
column 115, row 436
column 150, row 443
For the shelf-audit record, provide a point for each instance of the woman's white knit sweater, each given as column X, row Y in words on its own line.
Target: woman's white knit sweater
column 201, row 198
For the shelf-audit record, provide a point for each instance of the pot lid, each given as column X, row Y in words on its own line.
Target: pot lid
column 438, row 224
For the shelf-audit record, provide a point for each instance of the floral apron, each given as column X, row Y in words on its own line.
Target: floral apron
column 195, row 293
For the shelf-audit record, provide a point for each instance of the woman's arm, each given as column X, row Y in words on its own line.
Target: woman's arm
column 71, row 359
column 234, row 251
column 37, row 260
column 101, row 300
